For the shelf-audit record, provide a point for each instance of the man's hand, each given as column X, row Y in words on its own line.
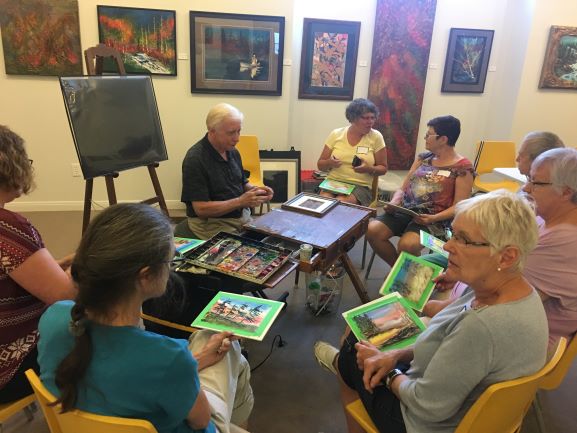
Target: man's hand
column 255, row 197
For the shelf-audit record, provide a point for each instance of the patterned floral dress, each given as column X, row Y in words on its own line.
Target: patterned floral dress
column 431, row 189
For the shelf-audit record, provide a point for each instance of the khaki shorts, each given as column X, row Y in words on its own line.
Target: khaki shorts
column 205, row 228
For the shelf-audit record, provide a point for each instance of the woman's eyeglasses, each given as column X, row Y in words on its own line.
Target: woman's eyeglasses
column 462, row 240
column 536, row 183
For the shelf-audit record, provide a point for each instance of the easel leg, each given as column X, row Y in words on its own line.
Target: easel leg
column 87, row 203
column 357, row 283
column 157, row 188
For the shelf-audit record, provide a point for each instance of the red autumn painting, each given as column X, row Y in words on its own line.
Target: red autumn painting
column 146, row 38
column 41, row 37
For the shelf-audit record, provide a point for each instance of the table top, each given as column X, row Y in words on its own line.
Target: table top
column 320, row 232
column 511, row 173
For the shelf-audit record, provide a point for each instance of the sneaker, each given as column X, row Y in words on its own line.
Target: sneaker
column 326, row 356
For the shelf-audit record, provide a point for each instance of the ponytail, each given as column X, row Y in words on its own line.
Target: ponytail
column 73, row 367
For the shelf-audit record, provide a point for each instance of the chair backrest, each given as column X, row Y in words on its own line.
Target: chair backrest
column 556, row 376
column 502, row 406
column 491, row 154
column 77, row 421
column 94, row 58
column 248, row 149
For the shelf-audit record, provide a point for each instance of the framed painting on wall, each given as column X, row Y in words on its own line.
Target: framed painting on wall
column 560, row 65
column 146, row 38
column 329, row 59
column 41, row 37
column 467, row 60
column 236, row 54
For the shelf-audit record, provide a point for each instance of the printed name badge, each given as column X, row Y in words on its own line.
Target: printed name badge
column 444, row 173
column 362, row 150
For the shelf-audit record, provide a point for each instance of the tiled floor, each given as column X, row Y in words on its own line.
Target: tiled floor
column 293, row 394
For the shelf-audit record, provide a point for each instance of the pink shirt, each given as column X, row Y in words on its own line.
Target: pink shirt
column 552, row 268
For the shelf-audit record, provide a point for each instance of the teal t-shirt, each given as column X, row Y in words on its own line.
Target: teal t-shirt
column 132, row 374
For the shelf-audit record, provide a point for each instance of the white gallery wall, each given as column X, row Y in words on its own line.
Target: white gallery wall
column 510, row 106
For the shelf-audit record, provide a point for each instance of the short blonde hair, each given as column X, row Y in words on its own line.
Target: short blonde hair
column 221, row 112
column 504, row 219
column 16, row 172
column 537, row 142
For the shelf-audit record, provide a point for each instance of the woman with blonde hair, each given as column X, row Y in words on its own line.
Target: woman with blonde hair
column 496, row 331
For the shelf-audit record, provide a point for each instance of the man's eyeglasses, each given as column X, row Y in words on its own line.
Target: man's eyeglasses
column 462, row 240
column 427, row 135
column 535, row 183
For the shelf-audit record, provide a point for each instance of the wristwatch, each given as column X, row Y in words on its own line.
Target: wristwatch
column 391, row 376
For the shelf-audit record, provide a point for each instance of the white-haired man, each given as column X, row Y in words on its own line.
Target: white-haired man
column 216, row 192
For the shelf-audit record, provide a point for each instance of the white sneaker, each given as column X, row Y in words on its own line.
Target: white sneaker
column 326, row 356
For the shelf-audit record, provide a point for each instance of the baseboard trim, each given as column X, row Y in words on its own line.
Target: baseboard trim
column 63, row 206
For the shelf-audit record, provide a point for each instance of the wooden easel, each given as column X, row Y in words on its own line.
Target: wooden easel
column 94, row 58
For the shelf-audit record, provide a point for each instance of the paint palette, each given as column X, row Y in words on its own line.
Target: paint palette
column 239, row 257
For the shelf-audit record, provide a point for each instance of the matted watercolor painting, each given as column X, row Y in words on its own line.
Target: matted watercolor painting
column 387, row 322
column 244, row 316
column 411, row 277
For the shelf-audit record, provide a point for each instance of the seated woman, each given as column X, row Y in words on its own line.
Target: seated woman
column 496, row 331
column 30, row 278
column 533, row 145
column 436, row 182
column 94, row 356
column 552, row 266
column 358, row 140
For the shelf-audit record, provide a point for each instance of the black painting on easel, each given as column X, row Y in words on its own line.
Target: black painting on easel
column 114, row 122
column 140, row 150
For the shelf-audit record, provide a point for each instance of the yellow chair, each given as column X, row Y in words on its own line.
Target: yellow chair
column 555, row 378
column 168, row 324
column 248, row 149
column 499, row 409
column 357, row 410
column 78, row 421
column 9, row 409
column 492, row 154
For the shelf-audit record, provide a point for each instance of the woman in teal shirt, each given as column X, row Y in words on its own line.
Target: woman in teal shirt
column 94, row 356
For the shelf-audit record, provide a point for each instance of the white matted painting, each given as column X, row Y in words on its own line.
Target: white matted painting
column 281, row 171
column 310, row 203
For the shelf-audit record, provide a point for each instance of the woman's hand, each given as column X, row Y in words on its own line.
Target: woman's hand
column 215, row 349
column 376, row 367
column 443, row 283
column 425, row 220
column 66, row 261
column 333, row 162
column 364, row 351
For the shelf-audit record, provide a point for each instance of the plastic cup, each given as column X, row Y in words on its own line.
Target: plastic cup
column 306, row 252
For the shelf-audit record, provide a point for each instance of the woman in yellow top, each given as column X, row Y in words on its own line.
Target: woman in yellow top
column 358, row 140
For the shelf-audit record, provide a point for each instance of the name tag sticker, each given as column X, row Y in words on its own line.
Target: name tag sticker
column 445, row 173
column 362, row 150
